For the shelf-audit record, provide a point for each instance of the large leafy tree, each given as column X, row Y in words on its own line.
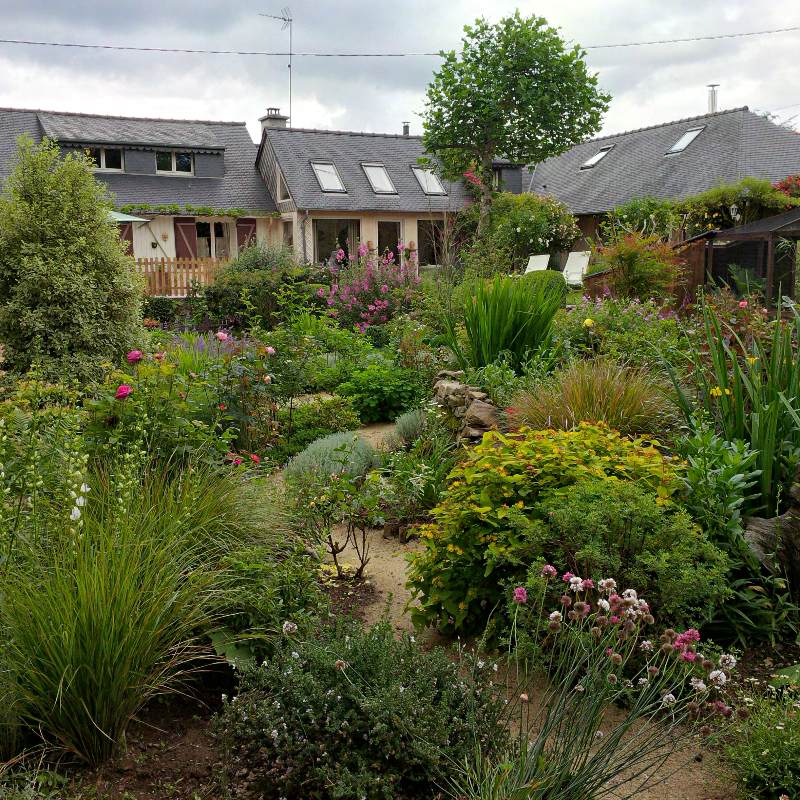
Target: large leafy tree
column 516, row 90
column 69, row 299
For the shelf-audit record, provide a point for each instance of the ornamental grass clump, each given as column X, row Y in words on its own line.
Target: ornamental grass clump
column 631, row 400
column 599, row 649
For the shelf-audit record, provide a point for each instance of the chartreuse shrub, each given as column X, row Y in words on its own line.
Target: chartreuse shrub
column 489, row 524
column 764, row 749
column 69, row 299
column 350, row 713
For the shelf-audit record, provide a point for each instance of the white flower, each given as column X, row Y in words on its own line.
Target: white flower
column 646, row 645
column 717, row 677
column 727, row 661
column 576, row 583
column 85, row 488
column 295, row 654
column 598, row 734
column 604, row 605
column 580, row 689
column 75, row 515
column 289, row 627
column 668, row 699
column 555, row 617
column 698, row 685
column 643, row 682
column 274, row 734
column 80, row 501
column 481, row 664
column 607, row 585
column 630, row 594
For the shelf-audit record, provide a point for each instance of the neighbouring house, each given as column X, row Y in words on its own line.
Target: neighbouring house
column 336, row 188
column 194, row 183
column 673, row 160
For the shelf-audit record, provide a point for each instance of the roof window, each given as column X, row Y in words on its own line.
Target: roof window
column 328, row 177
column 597, row 157
column 379, row 178
column 428, row 181
column 685, row 141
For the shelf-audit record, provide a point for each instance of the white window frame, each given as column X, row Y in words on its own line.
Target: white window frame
column 230, row 228
column 675, row 150
column 282, row 190
column 173, row 171
column 366, row 165
column 101, row 167
column 592, row 162
column 320, row 162
column 423, row 175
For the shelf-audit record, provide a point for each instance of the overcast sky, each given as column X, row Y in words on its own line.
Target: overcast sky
column 649, row 84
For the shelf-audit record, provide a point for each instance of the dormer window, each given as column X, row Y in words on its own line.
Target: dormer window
column 106, row 159
column 283, row 192
column 685, row 141
column 379, row 179
column 597, row 157
column 428, row 181
column 328, row 177
column 174, row 162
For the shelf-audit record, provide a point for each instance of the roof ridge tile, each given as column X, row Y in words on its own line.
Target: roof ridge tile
column 85, row 114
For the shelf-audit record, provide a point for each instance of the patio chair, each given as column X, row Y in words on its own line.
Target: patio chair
column 537, row 263
column 575, row 268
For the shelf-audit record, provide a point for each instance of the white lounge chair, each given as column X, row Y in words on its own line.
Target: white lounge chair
column 576, row 266
column 537, row 263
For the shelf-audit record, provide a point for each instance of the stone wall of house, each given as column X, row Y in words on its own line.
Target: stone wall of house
column 468, row 404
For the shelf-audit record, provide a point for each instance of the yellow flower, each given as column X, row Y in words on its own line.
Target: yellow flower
column 728, row 392
column 588, row 323
column 751, row 360
column 716, row 392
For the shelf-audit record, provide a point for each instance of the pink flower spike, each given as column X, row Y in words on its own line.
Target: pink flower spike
column 123, row 390
column 134, row 357
column 520, row 595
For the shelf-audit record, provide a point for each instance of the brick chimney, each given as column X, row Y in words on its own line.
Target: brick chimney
column 273, row 119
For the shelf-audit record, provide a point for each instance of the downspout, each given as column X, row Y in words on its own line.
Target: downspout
column 303, row 236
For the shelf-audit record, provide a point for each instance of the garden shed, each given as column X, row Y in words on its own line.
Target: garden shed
column 763, row 252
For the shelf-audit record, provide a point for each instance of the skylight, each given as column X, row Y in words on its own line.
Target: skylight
column 328, row 177
column 684, row 141
column 379, row 179
column 428, row 181
column 597, row 157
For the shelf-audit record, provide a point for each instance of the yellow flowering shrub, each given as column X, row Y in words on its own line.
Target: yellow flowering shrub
column 485, row 527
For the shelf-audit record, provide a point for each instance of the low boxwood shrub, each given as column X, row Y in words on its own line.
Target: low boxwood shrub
column 382, row 390
column 354, row 713
column 551, row 278
column 485, row 529
column 338, row 454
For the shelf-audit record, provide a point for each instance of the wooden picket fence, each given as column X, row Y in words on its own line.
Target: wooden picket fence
column 174, row 277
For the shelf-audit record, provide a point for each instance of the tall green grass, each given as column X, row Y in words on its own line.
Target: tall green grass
column 752, row 392
column 107, row 615
column 507, row 315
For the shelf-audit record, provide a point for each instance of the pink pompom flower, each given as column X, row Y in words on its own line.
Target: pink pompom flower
column 134, row 357
column 549, row 571
column 520, row 595
column 270, row 350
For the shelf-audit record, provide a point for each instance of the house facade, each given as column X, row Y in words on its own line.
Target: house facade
column 192, row 183
column 672, row 161
column 336, row 188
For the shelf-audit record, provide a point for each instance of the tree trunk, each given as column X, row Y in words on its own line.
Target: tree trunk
column 486, row 193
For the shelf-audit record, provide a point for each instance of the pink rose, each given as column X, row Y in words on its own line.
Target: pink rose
column 221, row 336
column 743, row 304
column 135, row 356
column 123, row 390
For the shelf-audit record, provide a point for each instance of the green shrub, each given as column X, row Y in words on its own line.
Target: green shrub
column 764, row 749
column 351, row 713
column 409, row 426
column 69, row 298
column 629, row 399
column 491, row 512
column 263, row 286
column 648, row 216
column 550, row 278
column 381, row 391
column 337, row 454
column 507, row 315
column 639, row 266
column 612, row 527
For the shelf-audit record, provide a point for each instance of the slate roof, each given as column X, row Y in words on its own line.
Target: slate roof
column 296, row 148
column 240, row 187
column 734, row 144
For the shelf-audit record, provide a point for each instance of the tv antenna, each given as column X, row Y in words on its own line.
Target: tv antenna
column 286, row 18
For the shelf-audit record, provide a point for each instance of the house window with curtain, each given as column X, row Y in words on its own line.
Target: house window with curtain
column 213, row 240
column 330, row 235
